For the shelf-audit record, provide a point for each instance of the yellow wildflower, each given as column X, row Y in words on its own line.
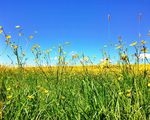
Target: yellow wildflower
column 45, row 91
column 85, row 58
column 74, row 56
column 124, row 57
column 8, row 89
column 128, row 94
column 30, row 97
column 8, row 36
column 0, row 115
column 129, row 90
column 9, row 97
column 1, row 31
column 119, row 78
column 133, row 44
column 120, row 93
column 38, row 86
column 48, row 51
column 143, row 42
column 15, row 47
column 31, row 36
column 148, row 84
column 62, row 97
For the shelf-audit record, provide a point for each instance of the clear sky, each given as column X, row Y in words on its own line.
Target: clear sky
column 83, row 23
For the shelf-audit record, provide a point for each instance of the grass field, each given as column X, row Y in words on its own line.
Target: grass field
column 70, row 92
column 74, row 93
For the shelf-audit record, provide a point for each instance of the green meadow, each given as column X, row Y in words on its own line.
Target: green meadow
column 105, row 91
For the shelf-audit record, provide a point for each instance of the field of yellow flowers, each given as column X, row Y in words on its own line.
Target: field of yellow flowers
column 89, row 92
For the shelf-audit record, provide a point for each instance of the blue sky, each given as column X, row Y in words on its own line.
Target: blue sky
column 83, row 23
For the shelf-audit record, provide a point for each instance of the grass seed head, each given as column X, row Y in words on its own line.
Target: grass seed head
column 124, row 57
column 143, row 42
column 144, row 49
column 133, row 44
